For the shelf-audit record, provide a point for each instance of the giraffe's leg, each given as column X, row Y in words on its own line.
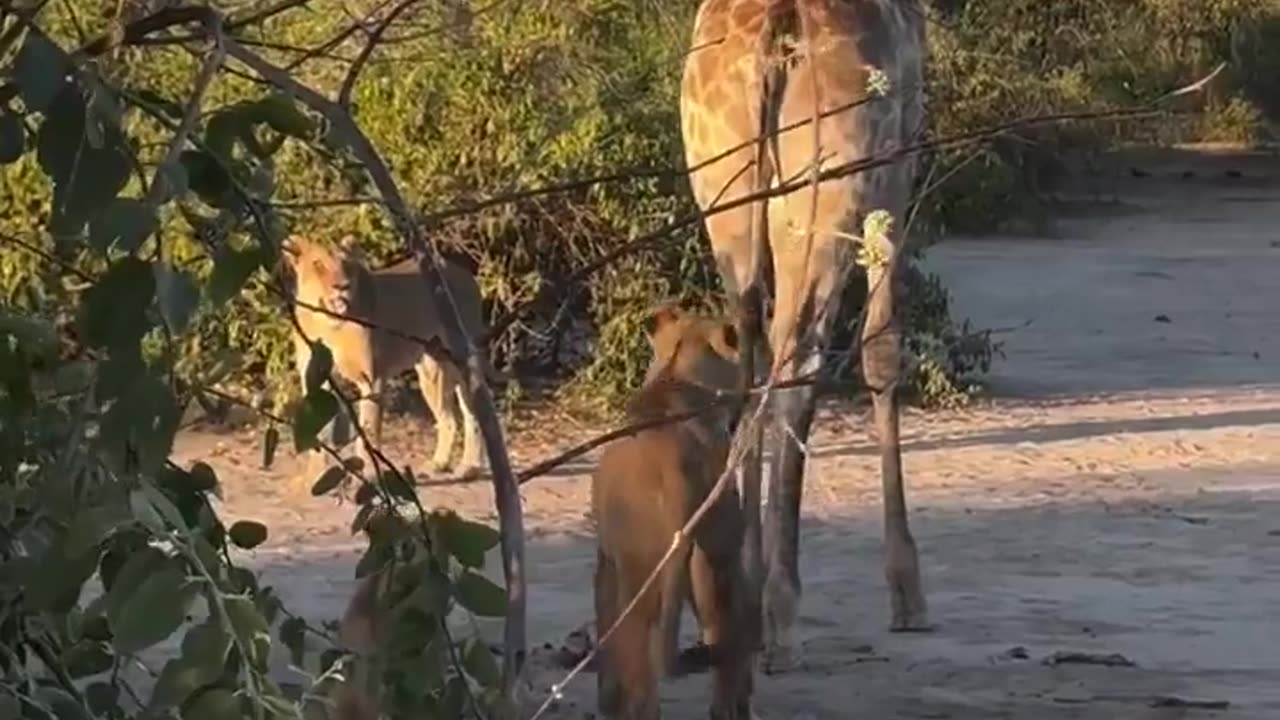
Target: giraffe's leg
column 741, row 266
column 808, row 284
column 881, row 349
column 793, row 415
column 749, row 319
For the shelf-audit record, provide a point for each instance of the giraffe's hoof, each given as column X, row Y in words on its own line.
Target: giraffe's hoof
column 439, row 467
column 919, row 624
column 780, row 658
column 911, row 619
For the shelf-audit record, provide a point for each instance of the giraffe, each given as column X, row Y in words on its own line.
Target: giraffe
column 756, row 68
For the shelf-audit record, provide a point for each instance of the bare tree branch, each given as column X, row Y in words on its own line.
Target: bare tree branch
column 506, row 490
column 159, row 186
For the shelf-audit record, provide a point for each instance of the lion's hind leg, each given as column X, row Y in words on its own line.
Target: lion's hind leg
column 437, row 393
column 473, row 449
column 639, row 652
column 719, row 595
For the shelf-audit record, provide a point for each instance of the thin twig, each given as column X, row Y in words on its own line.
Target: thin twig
column 375, row 36
column 190, row 117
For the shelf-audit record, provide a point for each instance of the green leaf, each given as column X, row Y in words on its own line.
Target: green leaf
column 374, row 559
column 366, row 493
column 361, row 518
column 242, row 579
column 124, row 225
column 86, row 658
column 319, row 365
column 92, row 524
column 95, row 626
column 178, row 296
column 64, row 706
column 329, row 480
column 171, row 181
column 114, row 311
column 250, row 628
column 207, row 177
column 281, row 114
column 9, row 705
column 13, row 138
column 139, row 427
column 58, row 578
column 164, row 505
column 202, row 477
column 396, row 485
column 480, row 664
column 315, row 411
column 86, row 175
column 137, row 566
column 293, row 633
column 154, row 611
column 277, row 705
column 270, row 441
column 145, row 513
column 173, row 109
column 203, row 661
column 223, row 128
column 215, row 704
column 476, row 593
column 103, row 699
column 231, row 270
column 465, row 540
column 40, row 69
column 207, row 644
column 248, row 534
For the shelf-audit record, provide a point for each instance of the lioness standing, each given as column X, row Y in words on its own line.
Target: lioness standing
column 646, row 487
column 399, row 303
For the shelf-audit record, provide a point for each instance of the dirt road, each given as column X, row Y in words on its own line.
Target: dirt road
column 1119, row 493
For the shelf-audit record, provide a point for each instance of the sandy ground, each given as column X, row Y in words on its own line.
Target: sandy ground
column 1117, row 494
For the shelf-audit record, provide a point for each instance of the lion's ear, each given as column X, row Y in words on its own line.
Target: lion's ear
column 662, row 316
column 350, row 243
column 349, row 248
column 291, row 248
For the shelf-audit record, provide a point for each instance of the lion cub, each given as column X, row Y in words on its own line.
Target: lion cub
column 646, row 487
column 396, row 299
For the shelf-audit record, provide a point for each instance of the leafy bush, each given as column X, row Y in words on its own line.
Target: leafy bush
column 492, row 103
column 108, row 548
column 997, row 61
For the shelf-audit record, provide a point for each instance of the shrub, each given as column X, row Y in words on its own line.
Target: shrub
column 108, row 547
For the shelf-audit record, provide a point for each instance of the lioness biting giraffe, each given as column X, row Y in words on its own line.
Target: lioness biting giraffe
column 773, row 91
column 644, row 490
column 404, row 311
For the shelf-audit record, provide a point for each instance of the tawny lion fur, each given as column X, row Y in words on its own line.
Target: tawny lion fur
column 401, row 305
column 647, row 486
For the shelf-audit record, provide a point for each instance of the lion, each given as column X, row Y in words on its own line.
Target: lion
column 404, row 311
column 361, row 630
column 645, row 488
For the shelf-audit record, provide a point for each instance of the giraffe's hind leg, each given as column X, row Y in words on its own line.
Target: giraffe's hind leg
column 881, row 348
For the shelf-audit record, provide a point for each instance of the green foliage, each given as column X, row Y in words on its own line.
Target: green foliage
column 998, row 61
column 492, row 102
column 108, row 548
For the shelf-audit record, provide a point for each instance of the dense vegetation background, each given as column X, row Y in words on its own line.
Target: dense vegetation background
column 122, row 305
column 471, row 101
